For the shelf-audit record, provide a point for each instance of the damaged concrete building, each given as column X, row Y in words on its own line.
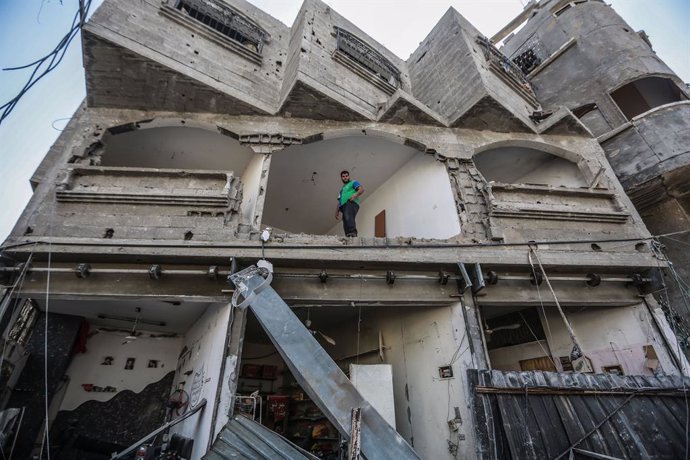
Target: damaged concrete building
column 497, row 302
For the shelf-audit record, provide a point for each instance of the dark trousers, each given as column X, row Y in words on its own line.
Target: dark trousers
column 349, row 210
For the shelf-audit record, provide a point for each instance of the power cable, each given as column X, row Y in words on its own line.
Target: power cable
column 547, row 353
column 340, row 247
column 45, row 361
column 680, row 353
column 46, row 64
column 577, row 349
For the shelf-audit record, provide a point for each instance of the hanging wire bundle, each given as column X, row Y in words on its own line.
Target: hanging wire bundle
column 46, row 64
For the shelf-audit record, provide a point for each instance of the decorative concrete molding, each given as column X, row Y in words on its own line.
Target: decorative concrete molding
column 268, row 143
column 554, row 203
column 116, row 185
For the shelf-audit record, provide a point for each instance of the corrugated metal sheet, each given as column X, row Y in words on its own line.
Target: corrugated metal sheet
column 244, row 438
column 538, row 415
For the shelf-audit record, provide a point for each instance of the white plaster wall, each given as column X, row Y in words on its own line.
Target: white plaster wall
column 609, row 336
column 420, row 339
column 508, row 358
column 205, row 342
column 375, row 383
column 87, row 368
column 251, row 190
column 418, row 201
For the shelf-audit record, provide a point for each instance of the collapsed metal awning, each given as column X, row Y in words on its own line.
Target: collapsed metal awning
column 540, row 415
column 316, row 372
column 245, row 438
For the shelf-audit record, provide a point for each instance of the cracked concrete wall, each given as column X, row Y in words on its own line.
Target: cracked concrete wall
column 648, row 153
column 317, row 67
column 450, row 75
column 48, row 217
column 140, row 26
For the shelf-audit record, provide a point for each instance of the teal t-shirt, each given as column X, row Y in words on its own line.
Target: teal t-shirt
column 347, row 191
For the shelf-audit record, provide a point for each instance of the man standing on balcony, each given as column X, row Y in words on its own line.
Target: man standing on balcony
column 348, row 203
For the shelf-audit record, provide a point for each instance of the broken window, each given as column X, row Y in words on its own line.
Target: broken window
column 221, row 18
column 527, row 61
column 645, row 94
column 530, row 55
column 520, row 165
column 366, row 56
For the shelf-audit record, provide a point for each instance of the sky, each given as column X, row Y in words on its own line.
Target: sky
column 29, row 29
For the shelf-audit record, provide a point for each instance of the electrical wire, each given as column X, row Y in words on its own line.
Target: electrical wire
column 547, row 353
column 46, row 64
column 16, row 433
column 684, row 372
column 340, row 247
column 577, row 349
column 543, row 310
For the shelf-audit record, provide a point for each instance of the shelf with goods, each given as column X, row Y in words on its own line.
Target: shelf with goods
column 309, row 428
column 254, row 377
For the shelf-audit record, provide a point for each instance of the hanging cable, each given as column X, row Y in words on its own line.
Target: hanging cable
column 577, row 349
column 43, row 66
column 547, row 353
column 659, row 247
column 543, row 310
column 45, row 361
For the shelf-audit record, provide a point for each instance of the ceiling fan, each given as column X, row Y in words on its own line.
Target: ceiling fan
column 134, row 334
column 488, row 331
column 314, row 332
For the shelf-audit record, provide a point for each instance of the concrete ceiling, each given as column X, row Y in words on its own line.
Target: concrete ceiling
column 177, row 318
column 304, row 180
column 176, row 148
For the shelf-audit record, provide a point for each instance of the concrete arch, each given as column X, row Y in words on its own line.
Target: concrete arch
column 166, row 122
column 554, row 150
column 375, row 133
column 304, row 181
column 173, row 143
column 530, row 162
column 667, row 75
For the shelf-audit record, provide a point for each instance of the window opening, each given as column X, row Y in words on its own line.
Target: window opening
column 584, row 110
column 645, row 94
column 568, row 6
column 367, row 56
column 527, row 61
column 512, row 328
column 226, row 21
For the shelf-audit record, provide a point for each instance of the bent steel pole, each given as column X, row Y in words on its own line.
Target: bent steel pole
column 315, row 370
